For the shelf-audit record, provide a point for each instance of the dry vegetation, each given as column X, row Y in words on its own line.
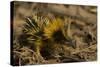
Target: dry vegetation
column 47, row 33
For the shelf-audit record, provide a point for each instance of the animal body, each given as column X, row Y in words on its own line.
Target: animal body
column 44, row 36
